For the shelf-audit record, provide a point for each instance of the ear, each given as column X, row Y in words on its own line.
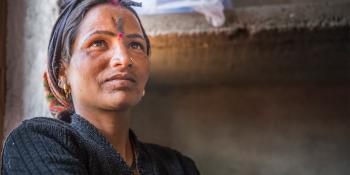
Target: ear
column 63, row 73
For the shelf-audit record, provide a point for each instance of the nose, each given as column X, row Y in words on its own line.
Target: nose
column 120, row 56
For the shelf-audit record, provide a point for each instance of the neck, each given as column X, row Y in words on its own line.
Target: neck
column 114, row 125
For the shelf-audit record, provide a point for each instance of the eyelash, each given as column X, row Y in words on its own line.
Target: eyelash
column 137, row 44
column 97, row 42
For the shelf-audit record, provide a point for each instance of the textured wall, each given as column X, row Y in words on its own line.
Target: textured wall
column 252, row 130
column 279, row 104
column 29, row 27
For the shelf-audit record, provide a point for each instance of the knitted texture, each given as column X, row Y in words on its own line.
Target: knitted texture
column 45, row 146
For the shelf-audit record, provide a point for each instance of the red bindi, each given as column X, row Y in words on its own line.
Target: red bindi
column 120, row 35
column 115, row 2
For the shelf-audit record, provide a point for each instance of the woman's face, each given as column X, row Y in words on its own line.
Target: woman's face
column 109, row 66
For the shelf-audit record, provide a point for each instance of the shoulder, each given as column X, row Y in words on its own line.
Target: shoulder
column 172, row 157
column 167, row 152
column 39, row 129
column 41, row 123
column 39, row 145
column 44, row 126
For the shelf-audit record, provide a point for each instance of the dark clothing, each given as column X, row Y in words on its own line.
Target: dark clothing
column 51, row 146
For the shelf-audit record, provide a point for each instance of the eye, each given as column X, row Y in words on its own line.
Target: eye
column 136, row 45
column 99, row 43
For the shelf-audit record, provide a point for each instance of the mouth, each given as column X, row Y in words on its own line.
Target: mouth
column 121, row 77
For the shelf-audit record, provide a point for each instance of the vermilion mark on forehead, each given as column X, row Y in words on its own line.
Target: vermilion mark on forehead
column 115, row 2
column 120, row 27
column 120, row 35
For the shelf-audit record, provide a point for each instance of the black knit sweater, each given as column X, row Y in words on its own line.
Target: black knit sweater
column 50, row 146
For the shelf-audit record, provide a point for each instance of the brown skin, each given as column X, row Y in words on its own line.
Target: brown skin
column 98, row 56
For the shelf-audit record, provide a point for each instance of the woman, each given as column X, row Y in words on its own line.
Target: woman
column 98, row 65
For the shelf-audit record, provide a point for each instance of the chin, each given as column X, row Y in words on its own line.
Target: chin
column 122, row 101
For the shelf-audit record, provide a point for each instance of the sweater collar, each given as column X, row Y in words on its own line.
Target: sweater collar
column 91, row 133
column 145, row 163
column 87, row 130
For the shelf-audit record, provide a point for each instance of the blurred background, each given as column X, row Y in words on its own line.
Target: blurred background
column 245, row 87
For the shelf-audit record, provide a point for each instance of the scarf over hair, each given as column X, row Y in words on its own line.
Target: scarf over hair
column 57, row 99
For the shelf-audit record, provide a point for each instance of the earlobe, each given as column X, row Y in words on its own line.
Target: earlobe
column 63, row 81
column 63, row 84
column 63, row 72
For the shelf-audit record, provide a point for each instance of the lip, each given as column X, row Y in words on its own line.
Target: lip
column 121, row 77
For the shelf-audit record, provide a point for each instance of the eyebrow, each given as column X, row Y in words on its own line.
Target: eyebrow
column 104, row 32
column 131, row 36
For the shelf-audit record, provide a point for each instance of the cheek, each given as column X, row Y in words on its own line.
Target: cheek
column 144, row 71
column 83, row 73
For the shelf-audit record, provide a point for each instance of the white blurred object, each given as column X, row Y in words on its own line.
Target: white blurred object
column 213, row 10
column 214, row 13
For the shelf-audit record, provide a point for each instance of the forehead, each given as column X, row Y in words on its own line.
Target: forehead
column 105, row 17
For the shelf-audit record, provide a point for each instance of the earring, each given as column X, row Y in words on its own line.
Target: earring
column 66, row 90
column 62, row 83
column 143, row 93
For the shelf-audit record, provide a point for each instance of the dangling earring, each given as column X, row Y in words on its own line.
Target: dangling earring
column 62, row 83
column 143, row 93
column 66, row 90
